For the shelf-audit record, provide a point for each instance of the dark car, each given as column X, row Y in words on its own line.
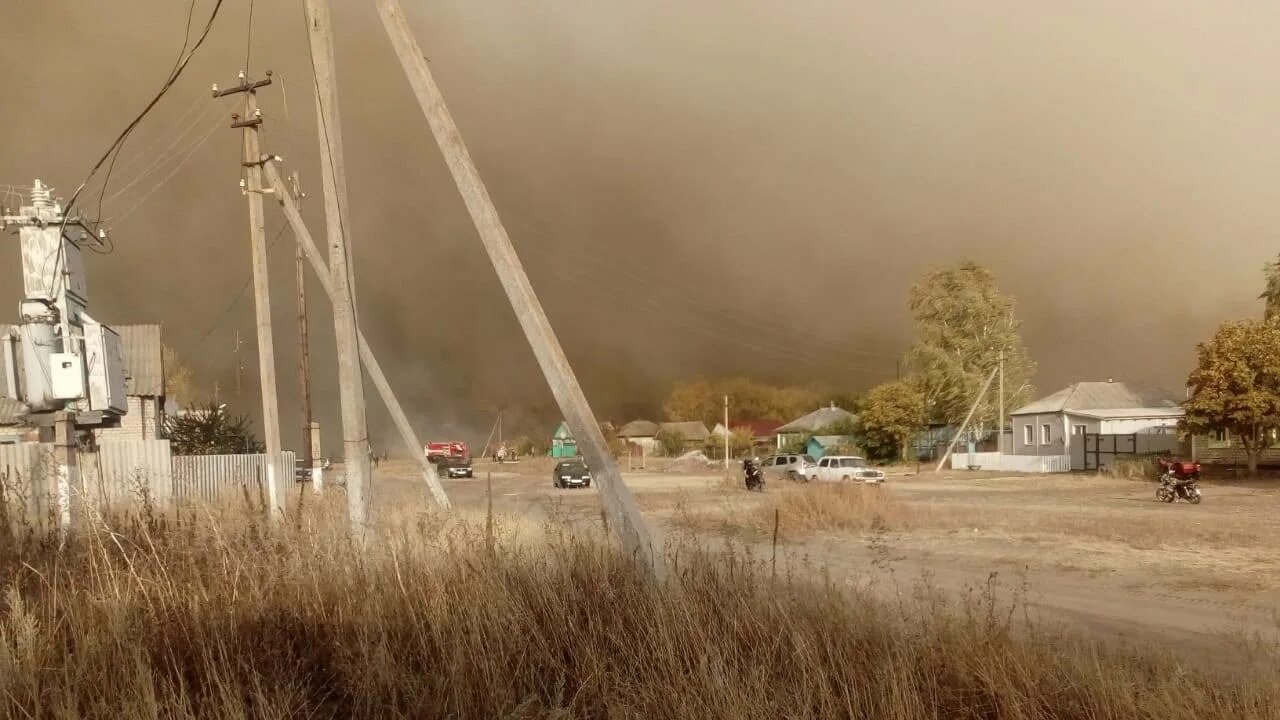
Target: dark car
column 571, row 473
column 454, row 467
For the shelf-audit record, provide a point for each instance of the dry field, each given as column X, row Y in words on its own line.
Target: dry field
column 1094, row 552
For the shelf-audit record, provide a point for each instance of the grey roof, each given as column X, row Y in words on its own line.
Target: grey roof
column 638, row 428
column 1085, row 396
column 689, row 430
column 818, row 419
column 143, row 359
column 11, row 411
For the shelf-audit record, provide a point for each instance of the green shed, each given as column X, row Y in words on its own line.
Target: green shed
column 562, row 443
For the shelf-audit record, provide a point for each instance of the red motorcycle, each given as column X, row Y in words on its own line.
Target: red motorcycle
column 1178, row 480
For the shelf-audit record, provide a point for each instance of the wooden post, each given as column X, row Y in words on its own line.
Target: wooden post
column 623, row 514
column 304, row 351
column 252, row 164
column 380, row 383
column 355, row 431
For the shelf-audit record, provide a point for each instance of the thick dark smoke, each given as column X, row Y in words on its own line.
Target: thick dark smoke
column 695, row 187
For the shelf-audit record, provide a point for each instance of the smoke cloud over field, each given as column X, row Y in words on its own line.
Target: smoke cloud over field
column 695, row 187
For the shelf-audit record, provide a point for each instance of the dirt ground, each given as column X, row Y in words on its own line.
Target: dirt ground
column 1098, row 553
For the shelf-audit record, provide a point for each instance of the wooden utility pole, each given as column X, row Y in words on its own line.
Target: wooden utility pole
column 371, row 365
column 620, row 507
column 66, row 452
column 253, row 190
column 304, row 350
column 355, row 429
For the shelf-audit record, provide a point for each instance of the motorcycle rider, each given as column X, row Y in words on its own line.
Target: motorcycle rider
column 751, row 471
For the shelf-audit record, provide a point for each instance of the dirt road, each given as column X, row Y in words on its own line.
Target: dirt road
column 1094, row 553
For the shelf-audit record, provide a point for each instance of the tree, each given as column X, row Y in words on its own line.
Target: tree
column 694, row 400
column 210, row 430
column 671, row 442
column 962, row 324
column 894, row 412
column 1235, row 386
column 179, row 378
column 1271, row 271
column 749, row 399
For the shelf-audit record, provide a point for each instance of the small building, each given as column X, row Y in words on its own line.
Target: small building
column 562, row 443
column 1051, row 425
column 820, row 446
column 695, row 433
column 812, row 423
column 762, row 431
column 640, row 433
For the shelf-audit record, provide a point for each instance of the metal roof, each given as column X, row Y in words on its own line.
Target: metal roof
column 1095, row 396
column 143, row 359
column 818, row 419
column 638, row 428
column 1131, row 413
column 689, row 429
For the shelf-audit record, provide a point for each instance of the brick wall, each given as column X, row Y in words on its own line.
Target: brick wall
column 1219, row 452
column 142, row 422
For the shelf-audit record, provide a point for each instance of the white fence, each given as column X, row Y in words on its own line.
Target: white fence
column 1003, row 462
column 126, row 471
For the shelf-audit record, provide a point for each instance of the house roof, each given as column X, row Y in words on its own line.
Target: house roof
column 1082, row 397
column 758, row 428
column 816, row 420
column 689, row 429
column 143, row 359
column 638, row 428
column 1131, row 413
column 11, row 411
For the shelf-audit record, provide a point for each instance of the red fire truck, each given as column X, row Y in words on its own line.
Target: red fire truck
column 437, row 450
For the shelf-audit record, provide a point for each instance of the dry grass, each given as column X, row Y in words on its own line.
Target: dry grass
column 800, row 510
column 220, row 616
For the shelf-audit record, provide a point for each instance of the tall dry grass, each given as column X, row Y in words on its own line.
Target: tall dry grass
column 221, row 616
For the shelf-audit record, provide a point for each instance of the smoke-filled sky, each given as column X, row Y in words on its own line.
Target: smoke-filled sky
column 696, row 187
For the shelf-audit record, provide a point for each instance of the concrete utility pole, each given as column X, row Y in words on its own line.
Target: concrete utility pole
column 252, row 185
column 726, row 434
column 620, row 507
column 304, row 352
column 1000, row 429
column 371, row 365
column 355, row 429
column 976, row 402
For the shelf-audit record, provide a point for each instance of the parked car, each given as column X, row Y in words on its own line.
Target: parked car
column 845, row 468
column 571, row 473
column 794, row 467
column 454, row 467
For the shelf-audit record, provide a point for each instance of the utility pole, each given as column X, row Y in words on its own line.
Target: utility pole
column 239, row 365
column 620, row 507
column 252, row 187
column 379, row 379
column 355, row 431
column 304, row 352
column 982, row 394
column 1000, row 429
column 726, row 434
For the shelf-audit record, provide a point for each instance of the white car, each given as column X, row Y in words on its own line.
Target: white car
column 844, row 468
column 791, row 466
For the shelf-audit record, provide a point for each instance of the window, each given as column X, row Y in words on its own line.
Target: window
column 824, row 462
column 853, row 463
column 1046, row 433
column 1219, row 439
column 1081, row 429
column 1028, row 435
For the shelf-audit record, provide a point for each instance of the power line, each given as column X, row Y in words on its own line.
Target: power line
column 173, row 171
column 248, row 40
column 167, row 154
column 234, row 301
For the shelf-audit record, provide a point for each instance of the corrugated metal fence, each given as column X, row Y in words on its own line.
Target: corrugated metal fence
column 126, row 471
column 209, row 478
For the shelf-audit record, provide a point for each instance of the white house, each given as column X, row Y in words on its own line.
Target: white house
column 1050, row 425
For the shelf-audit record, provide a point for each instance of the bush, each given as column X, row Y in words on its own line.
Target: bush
column 671, row 442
